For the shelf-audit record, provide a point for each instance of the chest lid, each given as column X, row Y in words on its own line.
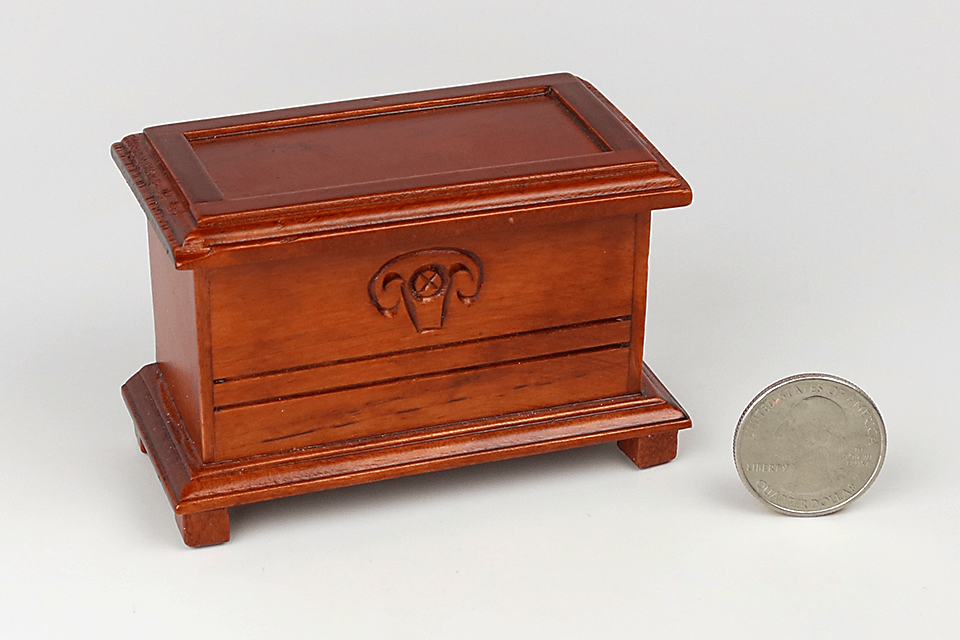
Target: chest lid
column 223, row 184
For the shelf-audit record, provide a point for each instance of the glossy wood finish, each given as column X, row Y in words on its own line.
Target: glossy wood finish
column 538, row 274
column 204, row 527
column 363, row 290
column 644, row 425
column 180, row 337
column 204, row 227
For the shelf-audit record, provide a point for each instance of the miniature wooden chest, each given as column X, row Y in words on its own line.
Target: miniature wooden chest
column 363, row 290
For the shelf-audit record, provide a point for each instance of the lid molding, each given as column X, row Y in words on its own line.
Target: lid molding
column 209, row 185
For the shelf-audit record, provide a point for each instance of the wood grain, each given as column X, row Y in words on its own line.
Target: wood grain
column 276, row 315
column 175, row 319
column 193, row 486
column 406, row 365
column 362, row 290
column 418, row 402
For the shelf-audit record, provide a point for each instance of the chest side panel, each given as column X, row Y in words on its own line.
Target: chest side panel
column 178, row 339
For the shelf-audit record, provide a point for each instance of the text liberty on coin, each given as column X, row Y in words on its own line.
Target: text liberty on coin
column 809, row 444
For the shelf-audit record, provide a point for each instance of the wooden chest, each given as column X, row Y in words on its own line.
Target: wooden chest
column 368, row 289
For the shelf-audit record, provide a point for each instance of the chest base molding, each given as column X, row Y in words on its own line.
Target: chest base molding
column 644, row 425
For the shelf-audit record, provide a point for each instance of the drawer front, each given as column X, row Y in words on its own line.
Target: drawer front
column 396, row 406
column 411, row 328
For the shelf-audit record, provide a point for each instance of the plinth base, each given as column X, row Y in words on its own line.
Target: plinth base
column 645, row 426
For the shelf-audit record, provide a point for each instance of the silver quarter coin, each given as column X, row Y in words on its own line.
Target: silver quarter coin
column 809, row 444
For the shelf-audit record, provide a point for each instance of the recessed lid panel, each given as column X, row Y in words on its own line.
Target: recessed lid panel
column 343, row 151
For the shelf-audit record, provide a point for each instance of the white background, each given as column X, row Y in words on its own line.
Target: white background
column 821, row 142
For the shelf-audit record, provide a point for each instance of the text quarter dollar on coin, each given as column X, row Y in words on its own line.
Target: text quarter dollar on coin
column 809, row 444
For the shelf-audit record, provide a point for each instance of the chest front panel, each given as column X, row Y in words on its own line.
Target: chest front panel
column 376, row 334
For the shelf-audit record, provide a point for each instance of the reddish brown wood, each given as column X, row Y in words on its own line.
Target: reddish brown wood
column 193, row 486
column 538, row 274
column 465, row 356
column 204, row 528
column 178, row 338
column 639, row 308
column 417, row 402
column 362, row 290
column 650, row 450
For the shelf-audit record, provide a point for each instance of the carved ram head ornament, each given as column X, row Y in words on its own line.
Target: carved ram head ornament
column 425, row 281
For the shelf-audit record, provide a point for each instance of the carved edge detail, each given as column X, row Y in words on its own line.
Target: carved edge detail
column 165, row 206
